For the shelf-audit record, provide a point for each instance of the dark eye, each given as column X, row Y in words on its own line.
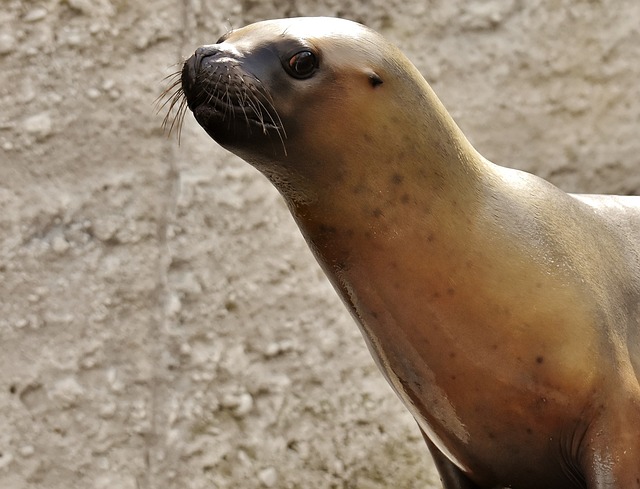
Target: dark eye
column 302, row 64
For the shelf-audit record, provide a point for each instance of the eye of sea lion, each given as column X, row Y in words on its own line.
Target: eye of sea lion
column 302, row 64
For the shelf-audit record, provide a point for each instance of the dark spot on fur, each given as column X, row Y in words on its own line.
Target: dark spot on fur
column 431, row 238
column 405, row 198
column 451, row 292
column 529, row 431
column 13, row 389
column 452, row 354
column 539, row 359
column 397, row 178
column 436, row 295
column 377, row 212
column 453, row 377
column 325, row 229
column 494, row 346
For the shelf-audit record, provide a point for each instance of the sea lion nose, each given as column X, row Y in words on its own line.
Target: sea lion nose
column 204, row 52
column 190, row 71
column 207, row 50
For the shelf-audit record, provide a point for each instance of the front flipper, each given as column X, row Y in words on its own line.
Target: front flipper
column 450, row 475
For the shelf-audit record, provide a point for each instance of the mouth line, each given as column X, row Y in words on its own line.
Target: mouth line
column 234, row 113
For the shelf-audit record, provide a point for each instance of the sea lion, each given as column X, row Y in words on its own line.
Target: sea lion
column 504, row 312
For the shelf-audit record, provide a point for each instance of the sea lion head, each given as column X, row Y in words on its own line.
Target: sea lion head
column 284, row 91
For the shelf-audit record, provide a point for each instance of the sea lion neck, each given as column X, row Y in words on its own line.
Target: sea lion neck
column 373, row 146
column 391, row 173
column 347, row 207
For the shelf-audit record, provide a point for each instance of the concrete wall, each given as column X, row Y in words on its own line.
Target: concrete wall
column 162, row 323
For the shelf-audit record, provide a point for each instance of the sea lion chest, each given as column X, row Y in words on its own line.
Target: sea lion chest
column 475, row 338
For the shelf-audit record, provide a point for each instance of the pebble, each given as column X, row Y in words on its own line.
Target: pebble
column 84, row 6
column 5, row 459
column 39, row 124
column 93, row 93
column 241, row 404
column 188, row 284
column 268, row 477
column 92, row 8
column 22, row 323
column 59, row 244
column 74, row 39
column 67, row 392
column 34, row 298
column 95, row 28
column 111, row 480
column 185, row 349
column 174, row 306
column 244, row 406
column 27, row 451
column 7, row 43
column 108, row 85
column 277, row 348
column 116, row 385
column 35, row 15
column 244, row 458
column 108, row 410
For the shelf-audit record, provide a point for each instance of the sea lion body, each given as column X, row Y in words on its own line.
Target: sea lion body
column 504, row 312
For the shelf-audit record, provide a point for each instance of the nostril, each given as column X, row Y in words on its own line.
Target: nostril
column 206, row 51
column 200, row 55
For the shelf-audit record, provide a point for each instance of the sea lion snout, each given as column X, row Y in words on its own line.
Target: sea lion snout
column 226, row 98
column 192, row 74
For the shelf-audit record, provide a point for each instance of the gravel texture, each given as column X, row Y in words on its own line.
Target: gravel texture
column 162, row 323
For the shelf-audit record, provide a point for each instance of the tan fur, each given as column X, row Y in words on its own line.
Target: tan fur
column 504, row 312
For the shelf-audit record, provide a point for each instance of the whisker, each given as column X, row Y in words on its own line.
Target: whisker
column 277, row 122
column 169, row 98
column 245, row 103
column 173, row 100
column 233, row 96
